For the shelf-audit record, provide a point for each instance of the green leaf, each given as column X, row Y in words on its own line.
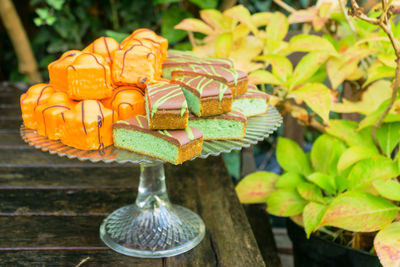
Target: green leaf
column 377, row 72
column 341, row 183
column 324, row 181
column 43, row 13
column 346, row 131
column 118, row 36
column 354, row 154
column 223, row 45
column 389, row 189
column 317, row 96
column 194, row 25
column 56, row 4
column 325, row 153
column 307, row 67
column 359, row 212
column 50, row 20
column 255, row 187
column 310, row 192
column 160, row 2
column 312, row 215
column 277, row 27
column 289, row 180
column 263, row 77
column 172, row 16
column 291, row 157
column 38, row 21
column 204, row 4
column 374, row 116
column 285, row 202
column 281, row 66
column 387, row 245
column 388, row 136
column 311, row 43
column 366, row 171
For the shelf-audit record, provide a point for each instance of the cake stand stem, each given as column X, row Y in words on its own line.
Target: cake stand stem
column 152, row 227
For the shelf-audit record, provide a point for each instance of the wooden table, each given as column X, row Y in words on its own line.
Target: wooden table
column 51, row 207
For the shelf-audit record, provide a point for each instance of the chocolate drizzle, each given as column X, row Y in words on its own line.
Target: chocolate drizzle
column 103, row 66
column 83, row 116
column 49, row 107
column 101, row 144
column 123, row 58
column 40, row 96
column 166, row 96
column 108, row 50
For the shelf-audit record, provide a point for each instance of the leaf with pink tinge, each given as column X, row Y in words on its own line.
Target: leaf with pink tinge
column 255, row 187
column 387, row 245
column 359, row 212
column 305, row 15
column 312, row 215
column 215, row 19
column 263, row 77
column 317, row 97
column 389, row 189
column 311, row 43
column 285, row 202
column 242, row 14
column 194, row 25
column 278, row 27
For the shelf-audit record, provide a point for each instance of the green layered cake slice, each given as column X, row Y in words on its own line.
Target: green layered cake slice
column 236, row 80
column 174, row 146
column 252, row 103
column 205, row 96
column 166, row 106
column 228, row 126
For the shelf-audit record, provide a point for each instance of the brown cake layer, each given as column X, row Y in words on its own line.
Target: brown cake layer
column 215, row 97
column 166, row 106
column 236, row 80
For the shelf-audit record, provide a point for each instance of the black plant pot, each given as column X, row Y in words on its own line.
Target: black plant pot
column 319, row 252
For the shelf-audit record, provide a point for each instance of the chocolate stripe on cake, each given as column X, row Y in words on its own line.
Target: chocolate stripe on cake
column 204, row 87
column 227, row 75
column 40, row 95
column 50, row 107
column 165, row 96
column 177, row 137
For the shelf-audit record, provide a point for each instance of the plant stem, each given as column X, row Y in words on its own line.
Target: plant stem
column 346, row 16
column 384, row 23
column 285, row 6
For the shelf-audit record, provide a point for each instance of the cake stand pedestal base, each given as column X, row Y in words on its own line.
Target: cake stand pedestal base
column 152, row 227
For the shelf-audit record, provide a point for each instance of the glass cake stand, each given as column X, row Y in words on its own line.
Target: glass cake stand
column 152, row 227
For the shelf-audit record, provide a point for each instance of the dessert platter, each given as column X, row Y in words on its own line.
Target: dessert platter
column 138, row 102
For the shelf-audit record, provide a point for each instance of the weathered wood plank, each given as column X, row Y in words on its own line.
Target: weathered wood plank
column 73, row 258
column 225, row 215
column 10, row 110
column 10, row 122
column 260, row 224
column 11, row 139
column 63, row 202
column 100, row 175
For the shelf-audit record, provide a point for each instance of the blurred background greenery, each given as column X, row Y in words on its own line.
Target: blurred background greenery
column 55, row 26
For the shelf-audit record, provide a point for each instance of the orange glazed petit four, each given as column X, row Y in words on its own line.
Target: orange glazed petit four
column 58, row 69
column 134, row 65
column 126, row 101
column 104, row 46
column 36, row 95
column 50, row 116
column 87, row 126
column 146, row 34
column 89, row 77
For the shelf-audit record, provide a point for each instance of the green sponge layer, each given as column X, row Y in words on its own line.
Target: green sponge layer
column 219, row 128
column 145, row 144
column 251, row 106
column 192, row 100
